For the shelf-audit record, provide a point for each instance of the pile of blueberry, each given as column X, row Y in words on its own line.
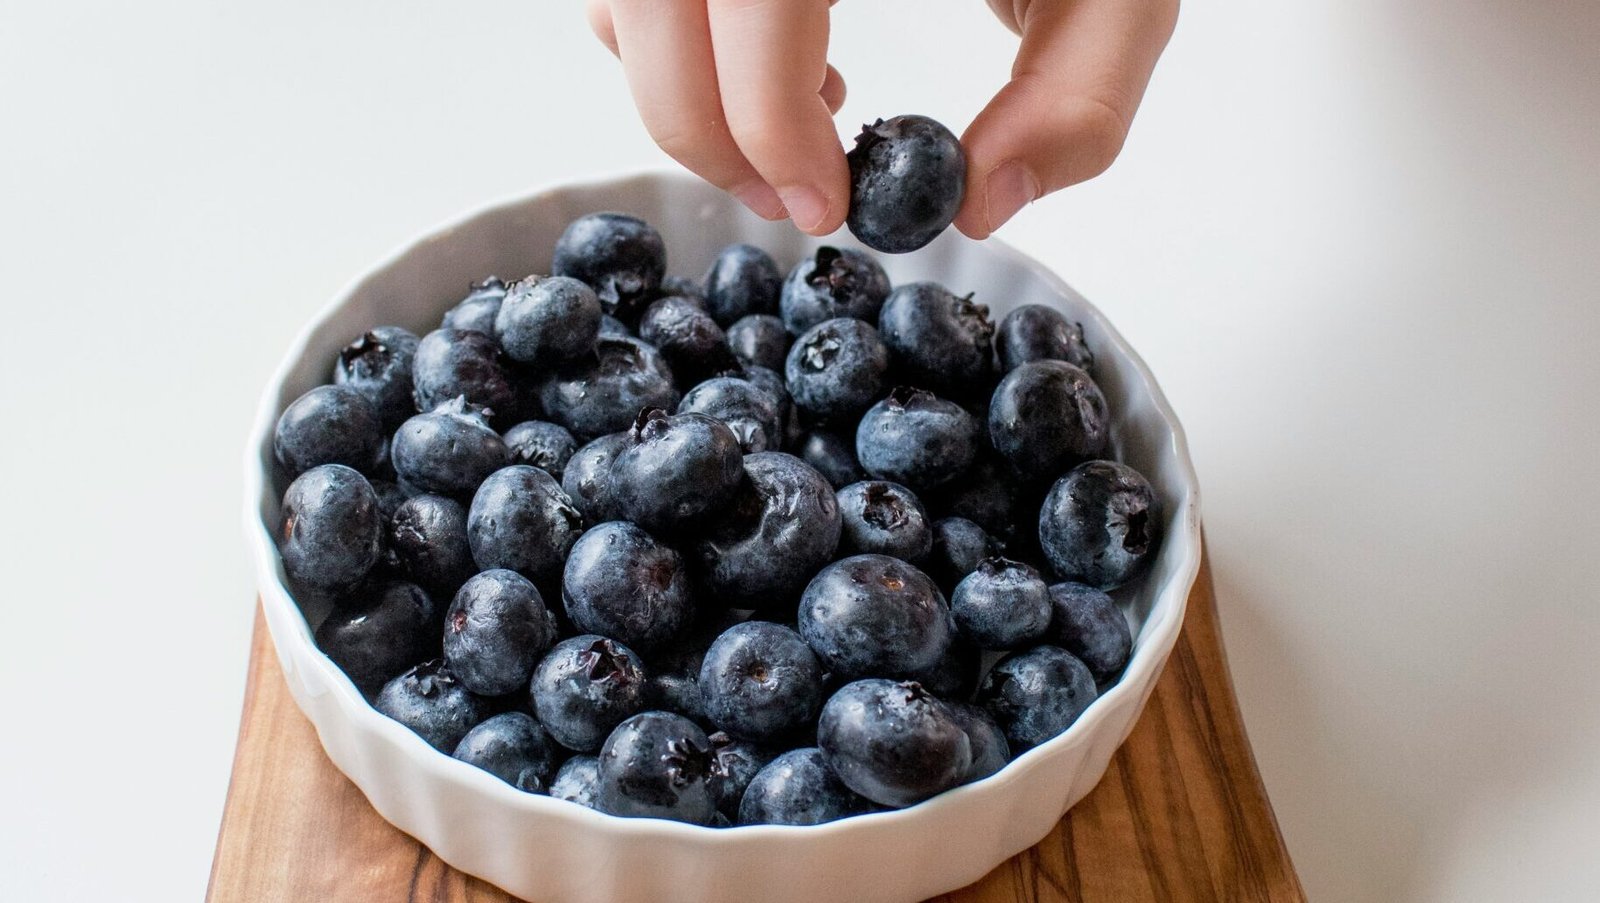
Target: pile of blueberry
column 728, row 551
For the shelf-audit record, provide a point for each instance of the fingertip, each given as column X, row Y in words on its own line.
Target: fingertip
column 761, row 199
column 833, row 90
column 598, row 12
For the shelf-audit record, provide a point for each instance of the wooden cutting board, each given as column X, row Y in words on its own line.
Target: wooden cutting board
column 1180, row 815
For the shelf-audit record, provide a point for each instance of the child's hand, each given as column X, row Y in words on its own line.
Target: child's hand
column 740, row 91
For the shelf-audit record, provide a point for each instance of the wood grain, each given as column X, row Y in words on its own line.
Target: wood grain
column 1180, row 815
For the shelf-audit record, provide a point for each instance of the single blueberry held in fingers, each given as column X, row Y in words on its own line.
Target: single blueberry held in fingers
column 937, row 339
column 760, row 681
column 872, row 614
column 602, row 394
column 1100, row 524
column 328, row 425
column 496, row 631
column 990, row 752
column 733, row 764
column 449, row 450
column 432, row 703
column 883, row 518
column 622, row 582
column 513, row 747
column 746, row 408
column 676, row 470
column 1037, row 694
column 331, row 532
column 693, row 344
column 478, row 309
column 1046, row 416
column 834, row 282
column 584, row 687
column 833, row 456
column 743, row 280
column 782, row 526
column 894, row 743
column 1004, row 604
column 428, row 539
column 520, row 519
column 958, row 546
column 620, row 256
column 657, row 765
column 452, row 362
column 907, row 178
column 759, row 340
column 836, row 369
column 798, row 788
column 587, row 479
column 547, row 446
column 547, row 319
column 917, row 439
column 378, row 365
column 1035, row 332
column 1087, row 623
column 577, row 780
column 387, row 627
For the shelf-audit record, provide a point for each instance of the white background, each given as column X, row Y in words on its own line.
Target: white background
column 1359, row 243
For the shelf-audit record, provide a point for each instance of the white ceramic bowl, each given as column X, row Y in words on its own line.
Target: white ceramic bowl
column 546, row 849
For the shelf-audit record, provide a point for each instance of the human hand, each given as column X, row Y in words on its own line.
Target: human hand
column 740, row 92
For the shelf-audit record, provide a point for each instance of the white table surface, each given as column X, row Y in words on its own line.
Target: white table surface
column 1359, row 242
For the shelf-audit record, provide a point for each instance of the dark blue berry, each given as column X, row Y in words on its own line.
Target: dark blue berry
column 733, row 764
column 759, row 340
column 782, row 526
column 1004, row 604
column 331, row 532
column 676, row 470
column 621, row 257
column 428, row 539
column 693, row 344
column 1046, row 416
column 798, row 788
column 496, row 631
column 466, row 363
column 622, row 582
column 937, row 339
column 894, row 743
column 431, row 702
column 833, row 456
column 760, row 681
column 545, row 320
column 683, row 287
column 657, row 765
column 385, row 628
column 328, row 425
column 674, row 675
column 875, row 615
column 883, row 518
column 378, row 365
column 955, row 675
column 577, row 780
column 771, row 381
column 1037, row 694
column 985, row 494
column 1087, row 623
column 390, row 497
column 743, row 280
column 547, row 446
column 587, row 479
column 990, row 752
column 478, row 309
column 916, row 439
column 520, row 519
column 612, row 326
column 907, row 178
column 1034, row 332
column 513, row 747
column 958, row 546
column 833, row 283
column 604, row 393
column 584, row 687
column 1100, row 524
column 837, row 368
column 746, row 408
column 449, row 450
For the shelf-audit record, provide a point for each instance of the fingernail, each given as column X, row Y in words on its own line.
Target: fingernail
column 806, row 206
column 1010, row 187
column 761, row 199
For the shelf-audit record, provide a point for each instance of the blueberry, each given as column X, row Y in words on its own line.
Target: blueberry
column 584, row 687
column 513, row 747
column 937, row 339
column 798, row 788
column 432, row 703
column 451, row 362
column 496, row 631
column 547, row 319
column 547, row 446
column 387, row 627
column 683, row 287
column 907, row 178
column 693, row 344
column 782, row 526
column 875, row 615
column 577, row 780
column 621, row 582
column 1004, row 604
column 478, row 309
column 1037, row 694
column 915, row 438
column 331, row 532
column 833, row 283
column 1100, row 524
column 958, row 546
column 733, row 764
column 743, row 280
column 674, row 676
column 428, row 539
column 602, row 394
column 894, row 743
column 985, row 494
column 837, row 369
column 622, row 257
column 885, row 519
column 449, row 450
column 990, row 752
column 759, row 340
column 833, row 457
column 1047, row 416
column 760, row 681
column 955, row 675
column 587, row 479
column 1087, row 623
column 772, row 383
column 657, row 765
column 747, row 409
column 378, row 365
column 1034, row 332
column 328, row 425
column 611, row 326
column 520, row 519
column 390, row 497
column 676, row 470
